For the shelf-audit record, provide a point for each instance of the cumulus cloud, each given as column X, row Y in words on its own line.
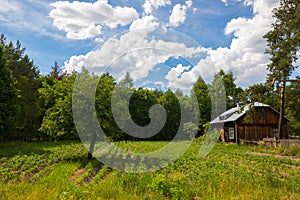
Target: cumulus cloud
column 82, row 20
column 245, row 57
column 174, row 77
column 147, row 22
column 178, row 14
column 137, row 51
column 133, row 52
column 150, row 4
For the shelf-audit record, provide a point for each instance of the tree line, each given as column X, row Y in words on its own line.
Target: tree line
column 39, row 107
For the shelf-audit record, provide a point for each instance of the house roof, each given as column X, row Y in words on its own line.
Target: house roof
column 235, row 113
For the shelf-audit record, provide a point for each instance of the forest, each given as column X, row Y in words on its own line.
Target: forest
column 42, row 154
column 39, row 107
column 36, row 106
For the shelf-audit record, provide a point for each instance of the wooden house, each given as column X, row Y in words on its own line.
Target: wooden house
column 252, row 122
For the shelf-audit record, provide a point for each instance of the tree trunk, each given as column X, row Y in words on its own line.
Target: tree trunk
column 91, row 150
column 281, row 114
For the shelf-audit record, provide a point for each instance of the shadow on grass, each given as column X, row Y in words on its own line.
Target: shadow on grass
column 11, row 149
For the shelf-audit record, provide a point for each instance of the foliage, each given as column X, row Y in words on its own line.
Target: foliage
column 190, row 129
column 8, row 96
column 228, row 172
column 293, row 107
column 200, row 90
column 262, row 93
column 140, row 104
column 57, row 101
column 127, row 81
column 104, row 92
column 233, row 93
column 172, row 106
column 27, row 119
column 284, row 39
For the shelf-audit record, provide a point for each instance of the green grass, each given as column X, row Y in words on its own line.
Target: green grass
column 60, row 171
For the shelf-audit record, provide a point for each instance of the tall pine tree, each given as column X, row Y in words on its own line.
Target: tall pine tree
column 283, row 46
column 27, row 83
column 8, row 109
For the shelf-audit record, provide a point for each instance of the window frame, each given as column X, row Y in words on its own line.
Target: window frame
column 231, row 133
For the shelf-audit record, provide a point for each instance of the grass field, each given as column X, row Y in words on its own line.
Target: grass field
column 60, row 170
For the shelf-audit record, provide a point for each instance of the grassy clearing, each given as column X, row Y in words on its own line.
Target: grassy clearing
column 60, row 171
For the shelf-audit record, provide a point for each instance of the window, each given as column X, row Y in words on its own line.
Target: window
column 275, row 132
column 231, row 133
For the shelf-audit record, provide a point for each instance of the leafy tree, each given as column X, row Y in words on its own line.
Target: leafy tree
column 283, row 40
column 200, row 90
column 57, row 98
column 293, row 107
column 55, row 71
column 189, row 129
column 127, row 81
column 27, row 83
column 283, row 43
column 233, row 93
column 93, row 92
column 179, row 92
column 103, row 105
column 8, row 95
column 158, row 93
column 262, row 93
column 140, row 104
column 172, row 106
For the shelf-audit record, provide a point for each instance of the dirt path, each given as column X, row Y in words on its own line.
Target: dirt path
column 276, row 156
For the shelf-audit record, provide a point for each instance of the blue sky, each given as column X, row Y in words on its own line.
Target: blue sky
column 145, row 37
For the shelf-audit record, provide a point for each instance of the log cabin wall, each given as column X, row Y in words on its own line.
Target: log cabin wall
column 261, row 123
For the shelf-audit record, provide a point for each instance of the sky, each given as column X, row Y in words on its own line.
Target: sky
column 161, row 43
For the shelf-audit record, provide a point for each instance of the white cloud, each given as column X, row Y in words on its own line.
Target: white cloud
column 82, row 20
column 147, row 22
column 150, row 4
column 225, row 2
column 174, row 77
column 245, row 57
column 27, row 16
column 138, row 53
column 132, row 52
column 246, row 2
column 8, row 6
column 189, row 3
column 178, row 14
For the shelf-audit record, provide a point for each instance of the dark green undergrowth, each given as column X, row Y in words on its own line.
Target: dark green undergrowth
column 59, row 170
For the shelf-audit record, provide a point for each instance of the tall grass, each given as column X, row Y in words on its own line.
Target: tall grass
column 61, row 171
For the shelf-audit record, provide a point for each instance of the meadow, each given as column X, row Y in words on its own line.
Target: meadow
column 60, row 170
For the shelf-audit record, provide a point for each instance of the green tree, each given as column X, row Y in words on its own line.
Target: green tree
column 8, row 108
column 283, row 43
column 140, row 104
column 172, row 106
column 27, row 83
column 55, row 71
column 283, row 40
column 127, row 81
column 103, row 105
column 57, row 102
column 233, row 93
column 262, row 93
column 293, row 107
column 200, row 90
